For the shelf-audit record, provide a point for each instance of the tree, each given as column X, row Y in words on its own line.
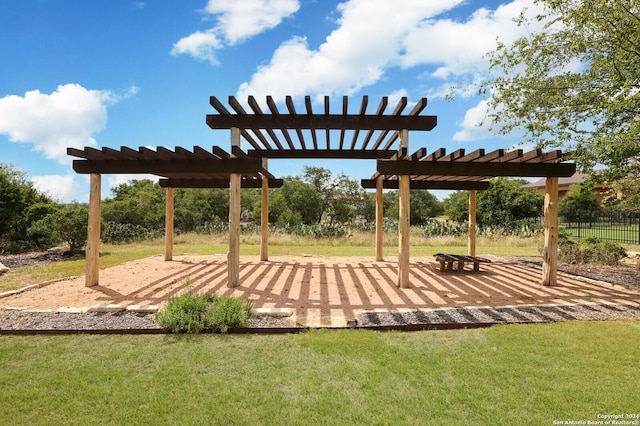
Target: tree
column 68, row 224
column 138, row 202
column 20, row 206
column 422, row 206
column 296, row 202
column 575, row 84
column 504, row 203
column 322, row 181
column 580, row 204
column 346, row 199
column 456, row 206
column 195, row 207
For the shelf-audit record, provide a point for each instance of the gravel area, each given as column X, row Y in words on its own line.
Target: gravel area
column 506, row 315
column 24, row 320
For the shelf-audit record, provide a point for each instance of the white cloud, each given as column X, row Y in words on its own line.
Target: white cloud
column 235, row 21
column 201, row 45
column 461, row 46
column 239, row 20
column 64, row 188
column 375, row 35
column 471, row 130
column 69, row 117
column 356, row 54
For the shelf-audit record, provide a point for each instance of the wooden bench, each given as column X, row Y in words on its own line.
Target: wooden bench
column 447, row 261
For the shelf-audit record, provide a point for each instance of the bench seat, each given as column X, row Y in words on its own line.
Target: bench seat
column 447, row 261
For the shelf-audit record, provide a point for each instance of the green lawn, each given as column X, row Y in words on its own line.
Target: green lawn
column 629, row 234
column 514, row 374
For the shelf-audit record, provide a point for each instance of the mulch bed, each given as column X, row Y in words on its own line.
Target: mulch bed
column 623, row 274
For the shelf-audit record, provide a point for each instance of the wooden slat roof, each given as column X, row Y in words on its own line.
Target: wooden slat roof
column 459, row 170
column 303, row 133
column 178, row 168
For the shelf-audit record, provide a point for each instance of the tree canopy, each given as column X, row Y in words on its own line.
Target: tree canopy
column 504, row 203
column 20, row 206
column 580, row 204
column 575, row 84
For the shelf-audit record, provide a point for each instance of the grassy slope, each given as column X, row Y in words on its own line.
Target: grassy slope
column 517, row 374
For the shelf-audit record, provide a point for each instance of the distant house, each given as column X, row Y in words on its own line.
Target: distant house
column 566, row 184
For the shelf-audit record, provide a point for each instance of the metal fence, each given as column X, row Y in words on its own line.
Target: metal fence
column 622, row 226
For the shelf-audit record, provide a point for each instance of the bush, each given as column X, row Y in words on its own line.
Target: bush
column 230, row 312
column 435, row 228
column 67, row 224
column 590, row 250
column 317, row 231
column 194, row 313
column 115, row 233
column 187, row 313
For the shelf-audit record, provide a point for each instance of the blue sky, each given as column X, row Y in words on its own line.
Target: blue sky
column 111, row 73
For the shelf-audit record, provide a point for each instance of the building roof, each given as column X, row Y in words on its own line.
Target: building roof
column 577, row 178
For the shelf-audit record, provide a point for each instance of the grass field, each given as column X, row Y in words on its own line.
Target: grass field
column 514, row 374
column 622, row 234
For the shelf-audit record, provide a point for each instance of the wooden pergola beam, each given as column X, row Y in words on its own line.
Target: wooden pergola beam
column 219, row 183
column 459, row 169
column 427, row 184
column 167, row 167
column 364, row 154
column 322, row 121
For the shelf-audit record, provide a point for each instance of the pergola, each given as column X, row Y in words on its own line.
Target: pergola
column 307, row 135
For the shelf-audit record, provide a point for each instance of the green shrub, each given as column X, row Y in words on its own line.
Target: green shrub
column 67, row 224
column 187, row 313
column 589, row 250
column 194, row 313
column 231, row 312
column 214, row 226
column 436, row 228
column 116, row 233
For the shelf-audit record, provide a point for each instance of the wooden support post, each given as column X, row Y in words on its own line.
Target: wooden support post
column 471, row 249
column 264, row 216
column 404, row 229
column 404, row 217
column 233, row 257
column 93, row 233
column 168, row 225
column 379, row 220
column 550, row 251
